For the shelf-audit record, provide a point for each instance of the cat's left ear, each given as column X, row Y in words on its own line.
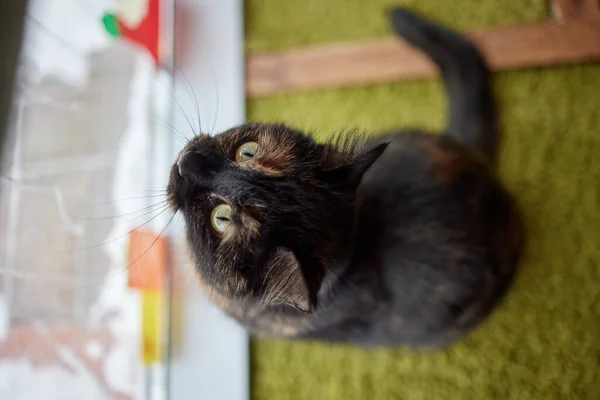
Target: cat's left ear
column 348, row 176
column 286, row 283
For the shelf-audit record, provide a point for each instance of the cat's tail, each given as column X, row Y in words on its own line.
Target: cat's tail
column 472, row 114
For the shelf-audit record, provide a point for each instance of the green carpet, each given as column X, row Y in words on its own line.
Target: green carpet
column 544, row 340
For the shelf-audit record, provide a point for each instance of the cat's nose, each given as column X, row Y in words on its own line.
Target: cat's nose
column 198, row 165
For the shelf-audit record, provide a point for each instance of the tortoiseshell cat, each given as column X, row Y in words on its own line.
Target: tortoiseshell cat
column 403, row 238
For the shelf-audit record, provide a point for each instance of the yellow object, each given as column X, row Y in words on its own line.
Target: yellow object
column 152, row 326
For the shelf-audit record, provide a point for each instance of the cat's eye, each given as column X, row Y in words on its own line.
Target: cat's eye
column 246, row 152
column 220, row 218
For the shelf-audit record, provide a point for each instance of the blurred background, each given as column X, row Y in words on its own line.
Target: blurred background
column 89, row 250
column 96, row 301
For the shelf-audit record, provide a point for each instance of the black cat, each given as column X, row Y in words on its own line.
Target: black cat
column 402, row 238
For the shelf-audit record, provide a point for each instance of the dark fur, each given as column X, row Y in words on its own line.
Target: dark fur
column 405, row 238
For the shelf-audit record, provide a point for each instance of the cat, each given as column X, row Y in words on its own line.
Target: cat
column 403, row 238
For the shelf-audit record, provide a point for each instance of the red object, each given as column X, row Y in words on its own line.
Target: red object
column 146, row 33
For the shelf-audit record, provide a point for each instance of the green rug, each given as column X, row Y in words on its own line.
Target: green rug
column 544, row 340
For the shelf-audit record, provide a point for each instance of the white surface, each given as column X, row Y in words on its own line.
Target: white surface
column 211, row 357
column 210, row 361
column 19, row 380
column 117, row 303
column 61, row 35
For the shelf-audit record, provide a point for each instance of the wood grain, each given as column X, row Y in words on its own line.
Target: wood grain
column 359, row 63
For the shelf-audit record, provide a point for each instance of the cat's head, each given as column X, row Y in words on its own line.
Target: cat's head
column 267, row 209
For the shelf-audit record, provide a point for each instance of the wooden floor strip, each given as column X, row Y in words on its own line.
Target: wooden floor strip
column 389, row 59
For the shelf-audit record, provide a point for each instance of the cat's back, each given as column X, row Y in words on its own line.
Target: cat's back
column 423, row 177
column 436, row 225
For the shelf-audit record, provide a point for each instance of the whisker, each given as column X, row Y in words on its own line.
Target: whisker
column 154, row 207
column 130, row 198
column 154, row 191
column 122, row 236
column 178, row 103
column 217, row 90
column 74, row 282
column 176, row 133
column 129, row 221
column 172, row 129
column 195, row 100
column 153, row 242
column 122, row 270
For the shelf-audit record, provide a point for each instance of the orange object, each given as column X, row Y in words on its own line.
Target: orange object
column 147, row 260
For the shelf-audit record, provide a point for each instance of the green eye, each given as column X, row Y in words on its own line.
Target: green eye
column 246, row 151
column 220, row 218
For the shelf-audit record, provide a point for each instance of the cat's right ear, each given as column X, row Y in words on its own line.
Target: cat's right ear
column 285, row 282
column 348, row 176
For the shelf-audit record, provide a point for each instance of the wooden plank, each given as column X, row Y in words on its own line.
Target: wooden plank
column 569, row 10
column 343, row 64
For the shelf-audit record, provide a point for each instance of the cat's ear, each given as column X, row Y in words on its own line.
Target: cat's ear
column 349, row 175
column 285, row 282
